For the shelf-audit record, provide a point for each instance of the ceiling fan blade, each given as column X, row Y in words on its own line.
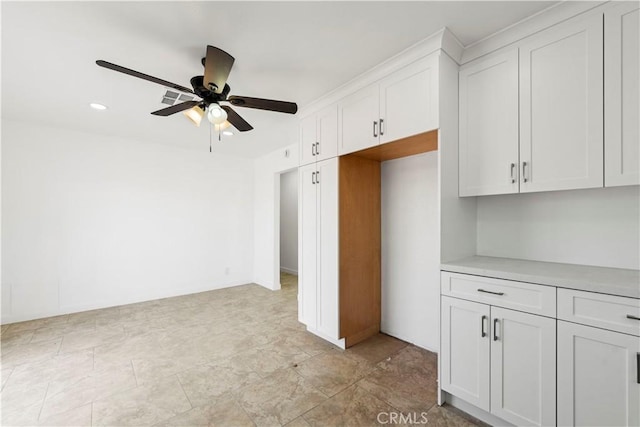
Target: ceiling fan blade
column 235, row 119
column 143, row 76
column 217, row 66
column 176, row 108
column 263, row 104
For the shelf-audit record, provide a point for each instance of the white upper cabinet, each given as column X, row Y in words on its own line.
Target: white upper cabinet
column 531, row 115
column 561, row 107
column 308, row 140
column 622, row 94
column 489, row 125
column 358, row 117
column 403, row 104
column 409, row 100
column 319, row 136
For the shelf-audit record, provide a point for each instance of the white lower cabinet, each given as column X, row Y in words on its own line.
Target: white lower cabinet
column 465, row 349
column 574, row 350
column 500, row 360
column 523, row 367
column 318, row 248
column 598, row 359
column 598, row 377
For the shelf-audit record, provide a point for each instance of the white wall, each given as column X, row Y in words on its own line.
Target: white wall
column 595, row 227
column 289, row 222
column 411, row 249
column 266, row 254
column 457, row 214
column 91, row 221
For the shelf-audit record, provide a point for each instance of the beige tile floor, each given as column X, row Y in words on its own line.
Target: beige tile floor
column 230, row 357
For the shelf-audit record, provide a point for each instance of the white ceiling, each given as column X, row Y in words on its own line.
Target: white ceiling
column 293, row 51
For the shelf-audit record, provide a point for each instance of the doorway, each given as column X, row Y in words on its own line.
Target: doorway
column 289, row 229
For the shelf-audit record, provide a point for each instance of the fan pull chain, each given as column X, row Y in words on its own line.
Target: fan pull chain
column 210, row 137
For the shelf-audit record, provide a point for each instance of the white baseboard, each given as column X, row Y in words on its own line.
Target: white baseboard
column 339, row 343
column 289, row 270
column 62, row 310
column 474, row 411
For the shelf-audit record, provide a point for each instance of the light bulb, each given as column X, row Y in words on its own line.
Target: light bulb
column 222, row 126
column 194, row 114
column 216, row 114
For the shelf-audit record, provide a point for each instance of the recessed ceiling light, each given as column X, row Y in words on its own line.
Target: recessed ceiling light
column 227, row 133
column 97, row 106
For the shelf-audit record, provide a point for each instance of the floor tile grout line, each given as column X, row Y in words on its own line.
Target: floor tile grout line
column 244, row 410
column 7, row 380
column 135, row 377
column 183, row 391
column 44, row 400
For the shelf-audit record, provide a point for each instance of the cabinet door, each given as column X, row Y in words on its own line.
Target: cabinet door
column 409, row 100
column 307, row 248
column 523, row 367
column 358, row 120
column 465, row 350
column 561, row 107
column 327, row 133
column 328, row 309
column 598, row 379
column 489, row 125
column 622, row 94
column 308, row 139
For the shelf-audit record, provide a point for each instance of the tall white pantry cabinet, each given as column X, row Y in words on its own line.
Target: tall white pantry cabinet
column 318, row 249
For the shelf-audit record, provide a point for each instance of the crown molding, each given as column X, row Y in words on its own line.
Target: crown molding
column 442, row 40
column 535, row 23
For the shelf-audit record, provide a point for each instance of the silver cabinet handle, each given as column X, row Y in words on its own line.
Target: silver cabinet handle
column 512, row 170
column 317, row 148
column 318, row 177
column 381, row 128
column 491, row 292
column 524, row 172
column 638, row 367
column 313, row 149
column 495, row 329
column 631, row 316
column 313, row 177
column 482, row 323
column 375, row 129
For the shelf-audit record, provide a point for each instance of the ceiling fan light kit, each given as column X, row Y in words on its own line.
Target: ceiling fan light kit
column 212, row 89
column 216, row 114
column 195, row 114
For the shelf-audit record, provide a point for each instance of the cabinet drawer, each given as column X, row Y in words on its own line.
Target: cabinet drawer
column 527, row 297
column 602, row 311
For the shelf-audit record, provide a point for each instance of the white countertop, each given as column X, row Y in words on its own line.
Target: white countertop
column 613, row 281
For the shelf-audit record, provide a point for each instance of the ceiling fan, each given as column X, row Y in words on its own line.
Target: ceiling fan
column 213, row 89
